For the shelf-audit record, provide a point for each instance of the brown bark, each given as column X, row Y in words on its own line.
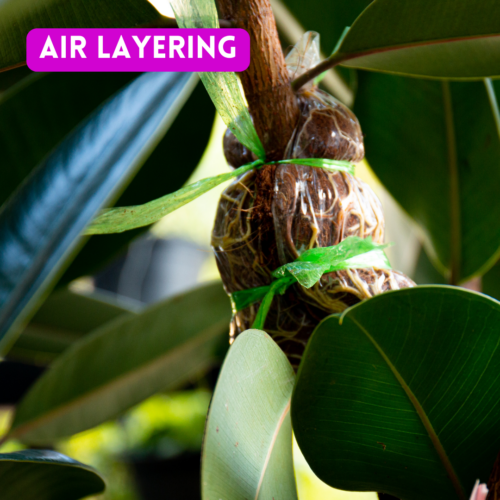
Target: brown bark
column 494, row 481
column 270, row 97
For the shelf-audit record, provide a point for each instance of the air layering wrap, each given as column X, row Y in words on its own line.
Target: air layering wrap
column 271, row 217
column 282, row 226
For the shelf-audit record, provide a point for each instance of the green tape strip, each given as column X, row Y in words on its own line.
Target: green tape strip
column 352, row 253
column 224, row 88
column 120, row 219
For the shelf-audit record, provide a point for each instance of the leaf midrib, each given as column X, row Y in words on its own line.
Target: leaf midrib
column 421, row 413
column 358, row 53
column 271, row 448
column 29, row 425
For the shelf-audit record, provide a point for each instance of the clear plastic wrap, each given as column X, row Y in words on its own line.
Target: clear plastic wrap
column 270, row 217
column 326, row 129
column 236, row 154
column 304, row 55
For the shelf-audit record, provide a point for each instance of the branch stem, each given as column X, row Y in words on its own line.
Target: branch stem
column 271, row 100
column 325, row 65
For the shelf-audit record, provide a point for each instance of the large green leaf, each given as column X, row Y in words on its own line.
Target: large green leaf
column 247, row 451
column 18, row 17
column 180, row 150
column 436, row 148
column 444, row 39
column 123, row 363
column 46, row 475
column 403, row 395
column 39, row 113
column 63, row 319
column 40, row 224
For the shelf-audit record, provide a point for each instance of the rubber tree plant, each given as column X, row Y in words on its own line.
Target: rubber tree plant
column 386, row 385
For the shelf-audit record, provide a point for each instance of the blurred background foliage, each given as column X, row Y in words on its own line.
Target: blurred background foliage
column 154, row 448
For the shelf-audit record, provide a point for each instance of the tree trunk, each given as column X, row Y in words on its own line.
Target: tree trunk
column 270, row 97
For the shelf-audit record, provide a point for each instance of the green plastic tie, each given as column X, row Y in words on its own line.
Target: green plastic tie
column 120, row 219
column 352, row 253
column 224, row 88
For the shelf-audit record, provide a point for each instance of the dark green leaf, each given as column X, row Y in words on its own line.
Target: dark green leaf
column 436, row 148
column 123, row 363
column 403, row 396
column 36, row 116
column 38, row 113
column 40, row 225
column 166, row 170
column 18, row 17
column 46, row 475
column 444, row 39
column 248, row 441
column 63, row 319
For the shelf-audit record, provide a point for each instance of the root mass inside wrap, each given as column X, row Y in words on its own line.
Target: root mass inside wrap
column 268, row 217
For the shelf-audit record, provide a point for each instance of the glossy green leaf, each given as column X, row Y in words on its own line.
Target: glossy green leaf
column 41, row 222
column 403, row 395
column 166, row 170
column 123, row 363
column 443, row 39
column 247, row 453
column 40, row 111
column 46, row 475
column 63, row 319
column 436, row 148
column 36, row 116
column 18, row 17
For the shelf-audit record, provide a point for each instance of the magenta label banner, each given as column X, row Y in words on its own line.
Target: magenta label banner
column 138, row 49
